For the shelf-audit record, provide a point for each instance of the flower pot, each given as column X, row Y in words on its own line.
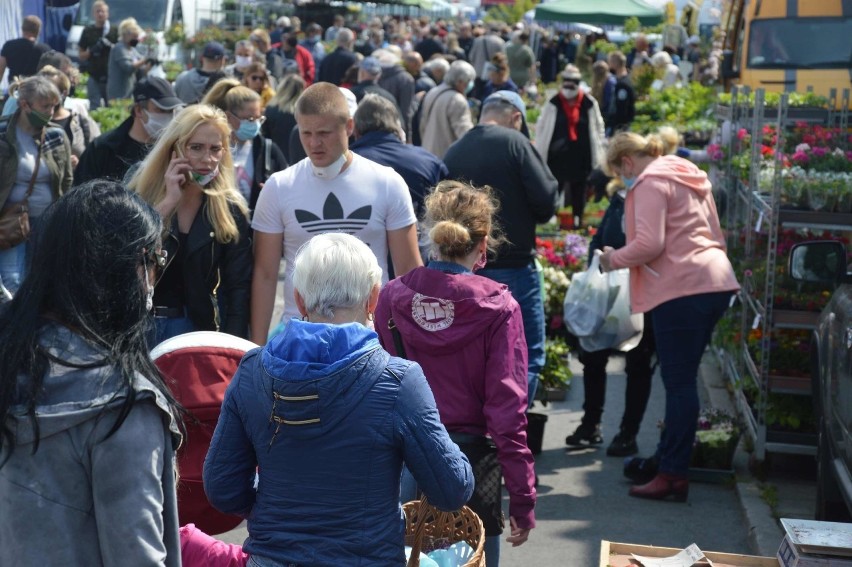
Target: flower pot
column 566, row 220
column 718, row 456
column 535, row 431
column 555, row 394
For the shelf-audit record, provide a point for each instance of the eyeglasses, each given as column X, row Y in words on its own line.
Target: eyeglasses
column 198, row 151
column 159, row 259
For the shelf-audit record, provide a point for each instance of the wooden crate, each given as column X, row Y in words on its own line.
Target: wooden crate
column 615, row 554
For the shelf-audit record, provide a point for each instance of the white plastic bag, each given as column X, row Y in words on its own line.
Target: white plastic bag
column 586, row 301
column 621, row 330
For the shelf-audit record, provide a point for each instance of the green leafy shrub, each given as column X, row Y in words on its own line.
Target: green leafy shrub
column 109, row 117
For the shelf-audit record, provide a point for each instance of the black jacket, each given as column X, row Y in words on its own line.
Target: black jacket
column 212, row 269
column 507, row 161
column 262, row 168
column 611, row 230
column 335, row 64
column 110, row 155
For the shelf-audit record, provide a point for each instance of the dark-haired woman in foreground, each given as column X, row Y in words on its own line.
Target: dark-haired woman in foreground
column 87, row 427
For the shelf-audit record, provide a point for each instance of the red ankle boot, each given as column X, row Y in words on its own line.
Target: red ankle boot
column 662, row 486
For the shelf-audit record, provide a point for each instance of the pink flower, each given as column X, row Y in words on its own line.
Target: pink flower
column 819, row 151
column 742, row 133
column 800, row 156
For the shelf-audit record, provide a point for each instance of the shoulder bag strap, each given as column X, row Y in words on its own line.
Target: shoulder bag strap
column 397, row 339
column 267, row 158
column 40, row 144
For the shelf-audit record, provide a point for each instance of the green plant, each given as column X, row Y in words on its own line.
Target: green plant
column 769, row 494
column 175, row 34
column 555, row 373
column 172, row 69
column 80, row 91
column 109, row 117
column 509, row 14
column 632, row 24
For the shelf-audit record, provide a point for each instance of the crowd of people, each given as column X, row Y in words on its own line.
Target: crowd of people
column 396, row 176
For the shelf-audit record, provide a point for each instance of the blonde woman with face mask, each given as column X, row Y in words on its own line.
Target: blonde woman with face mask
column 189, row 178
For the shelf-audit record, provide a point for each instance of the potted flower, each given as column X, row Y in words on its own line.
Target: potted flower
column 715, row 440
column 556, row 376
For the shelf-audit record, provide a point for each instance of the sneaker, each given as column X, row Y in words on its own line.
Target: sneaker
column 640, row 470
column 623, row 445
column 585, row 436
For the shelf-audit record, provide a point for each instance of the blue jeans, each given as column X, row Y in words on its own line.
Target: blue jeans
column 682, row 329
column 168, row 327
column 15, row 262
column 526, row 289
column 96, row 92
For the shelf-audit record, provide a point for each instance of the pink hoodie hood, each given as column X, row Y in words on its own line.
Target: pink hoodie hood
column 679, row 170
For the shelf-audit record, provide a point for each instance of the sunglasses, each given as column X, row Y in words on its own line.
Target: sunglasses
column 258, row 78
column 570, row 84
column 159, row 259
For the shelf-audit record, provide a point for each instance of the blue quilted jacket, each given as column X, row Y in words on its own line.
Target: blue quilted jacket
column 328, row 418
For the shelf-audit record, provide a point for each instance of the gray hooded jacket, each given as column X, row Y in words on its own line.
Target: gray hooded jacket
column 82, row 499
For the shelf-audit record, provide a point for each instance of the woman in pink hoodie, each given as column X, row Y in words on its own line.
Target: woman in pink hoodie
column 467, row 333
column 681, row 275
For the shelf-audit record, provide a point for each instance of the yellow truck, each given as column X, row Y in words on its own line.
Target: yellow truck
column 789, row 45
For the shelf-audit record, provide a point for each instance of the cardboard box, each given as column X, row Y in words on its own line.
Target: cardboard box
column 789, row 555
column 615, row 554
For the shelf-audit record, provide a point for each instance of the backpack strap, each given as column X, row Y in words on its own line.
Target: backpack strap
column 267, row 158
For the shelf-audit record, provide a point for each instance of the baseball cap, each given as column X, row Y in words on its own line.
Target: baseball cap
column 351, row 101
column 157, row 90
column 213, row 50
column 371, row 65
column 693, row 40
column 509, row 97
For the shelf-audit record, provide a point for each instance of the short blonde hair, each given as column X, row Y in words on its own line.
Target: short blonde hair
column 129, row 27
column 323, row 99
column 631, row 144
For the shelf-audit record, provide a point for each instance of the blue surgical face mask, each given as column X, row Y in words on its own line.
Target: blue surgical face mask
column 469, row 87
column 248, row 129
column 628, row 181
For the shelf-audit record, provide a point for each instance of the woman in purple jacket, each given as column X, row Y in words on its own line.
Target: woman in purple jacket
column 467, row 333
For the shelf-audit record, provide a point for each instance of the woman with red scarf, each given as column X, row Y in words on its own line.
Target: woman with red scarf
column 569, row 136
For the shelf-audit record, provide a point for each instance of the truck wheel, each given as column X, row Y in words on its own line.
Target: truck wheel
column 830, row 506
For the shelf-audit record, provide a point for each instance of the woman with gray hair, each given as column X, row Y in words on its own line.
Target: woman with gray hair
column 35, row 170
column 327, row 418
column 445, row 113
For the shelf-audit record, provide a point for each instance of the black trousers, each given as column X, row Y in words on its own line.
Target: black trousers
column 639, row 366
column 574, row 196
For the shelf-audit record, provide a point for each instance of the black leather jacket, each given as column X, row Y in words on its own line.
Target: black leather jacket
column 212, row 269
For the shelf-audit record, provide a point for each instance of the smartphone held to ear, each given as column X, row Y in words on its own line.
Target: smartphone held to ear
column 186, row 174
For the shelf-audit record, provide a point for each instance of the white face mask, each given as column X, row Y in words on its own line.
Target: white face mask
column 570, row 93
column 330, row 171
column 243, row 60
column 205, row 180
column 157, row 122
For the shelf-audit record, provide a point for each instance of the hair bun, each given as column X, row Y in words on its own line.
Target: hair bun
column 451, row 238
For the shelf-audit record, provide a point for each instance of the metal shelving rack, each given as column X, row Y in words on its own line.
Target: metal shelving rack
column 750, row 213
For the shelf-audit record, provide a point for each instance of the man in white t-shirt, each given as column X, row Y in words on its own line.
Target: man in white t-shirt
column 331, row 190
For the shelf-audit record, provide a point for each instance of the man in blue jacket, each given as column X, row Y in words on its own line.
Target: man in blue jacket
column 377, row 138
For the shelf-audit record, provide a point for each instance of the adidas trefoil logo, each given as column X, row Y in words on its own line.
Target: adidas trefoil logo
column 333, row 219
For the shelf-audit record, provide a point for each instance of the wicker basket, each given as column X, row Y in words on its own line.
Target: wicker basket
column 425, row 525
